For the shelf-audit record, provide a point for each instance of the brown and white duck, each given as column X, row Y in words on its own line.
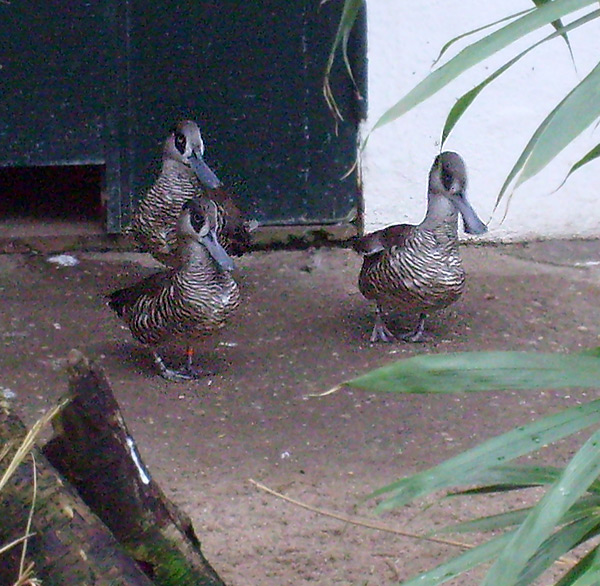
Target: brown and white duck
column 417, row 269
column 188, row 302
column 184, row 174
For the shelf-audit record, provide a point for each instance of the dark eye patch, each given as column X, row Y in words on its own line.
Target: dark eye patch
column 197, row 220
column 447, row 178
column 180, row 142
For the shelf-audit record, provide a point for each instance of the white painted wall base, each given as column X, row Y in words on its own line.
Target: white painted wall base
column 404, row 39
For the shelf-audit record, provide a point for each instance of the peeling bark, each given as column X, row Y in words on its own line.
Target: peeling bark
column 69, row 545
column 93, row 449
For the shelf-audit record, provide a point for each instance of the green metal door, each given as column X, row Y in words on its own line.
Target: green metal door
column 251, row 73
column 103, row 83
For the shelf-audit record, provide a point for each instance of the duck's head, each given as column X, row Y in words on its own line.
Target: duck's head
column 199, row 221
column 448, row 179
column 185, row 146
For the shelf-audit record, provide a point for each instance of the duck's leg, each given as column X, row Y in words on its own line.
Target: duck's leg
column 170, row 373
column 380, row 332
column 418, row 334
column 193, row 372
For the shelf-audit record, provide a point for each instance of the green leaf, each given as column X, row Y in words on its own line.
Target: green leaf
column 467, row 99
column 560, row 29
column 588, row 506
column 474, row 463
column 576, row 112
column 505, row 478
column 347, row 20
column 558, row 544
column 461, row 563
column 585, row 573
column 592, row 352
column 478, row 30
column 482, row 371
column 479, row 51
column 490, row 523
column 593, row 154
column 580, row 472
column 463, row 103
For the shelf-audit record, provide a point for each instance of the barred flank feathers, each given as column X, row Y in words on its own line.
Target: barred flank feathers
column 192, row 301
column 417, row 276
column 154, row 224
column 124, row 299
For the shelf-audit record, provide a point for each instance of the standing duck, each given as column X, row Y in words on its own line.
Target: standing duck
column 417, row 269
column 187, row 302
column 184, row 174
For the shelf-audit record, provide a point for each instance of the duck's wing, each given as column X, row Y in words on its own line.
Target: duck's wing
column 235, row 229
column 377, row 242
column 150, row 287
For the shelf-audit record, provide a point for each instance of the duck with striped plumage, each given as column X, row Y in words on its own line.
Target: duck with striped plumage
column 184, row 174
column 188, row 302
column 417, row 269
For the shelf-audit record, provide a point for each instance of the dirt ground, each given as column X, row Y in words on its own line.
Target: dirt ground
column 303, row 328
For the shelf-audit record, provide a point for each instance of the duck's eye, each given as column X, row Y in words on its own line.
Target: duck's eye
column 197, row 221
column 447, row 178
column 180, row 142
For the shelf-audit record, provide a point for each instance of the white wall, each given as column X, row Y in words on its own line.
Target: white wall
column 404, row 39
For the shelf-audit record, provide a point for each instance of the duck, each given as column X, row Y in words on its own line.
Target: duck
column 185, row 174
column 235, row 231
column 187, row 302
column 417, row 269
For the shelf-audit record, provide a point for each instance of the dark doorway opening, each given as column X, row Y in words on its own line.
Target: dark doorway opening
column 66, row 192
column 51, row 200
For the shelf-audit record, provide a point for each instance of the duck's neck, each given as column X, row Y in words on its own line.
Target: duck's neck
column 441, row 217
column 172, row 169
column 195, row 259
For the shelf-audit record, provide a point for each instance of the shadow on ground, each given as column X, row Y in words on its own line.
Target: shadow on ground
column 303, row 328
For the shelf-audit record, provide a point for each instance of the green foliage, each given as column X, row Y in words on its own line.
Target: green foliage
column 349, row 14
column 576, row 112
column 528, row 540
column 483, row 371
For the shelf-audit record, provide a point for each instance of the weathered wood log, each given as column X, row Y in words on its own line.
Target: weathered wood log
column 93, row 449
column 69, row 544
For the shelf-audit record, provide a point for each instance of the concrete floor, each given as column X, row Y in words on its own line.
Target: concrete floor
column 302, row 329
